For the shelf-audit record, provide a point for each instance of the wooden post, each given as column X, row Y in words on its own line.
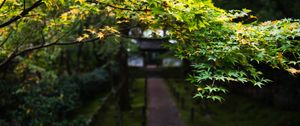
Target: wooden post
column 144, row 122
column 182, row 102
column 123, row 75
column 119, row 114
column 192, row 114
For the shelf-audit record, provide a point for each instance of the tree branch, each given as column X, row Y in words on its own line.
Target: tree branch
column 16, row 53
column 2, row 3
column 5, row 40
column 128, row 9
column 124, row 8
column 24, row 5
column 22, row 14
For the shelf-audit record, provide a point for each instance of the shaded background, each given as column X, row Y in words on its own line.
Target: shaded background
column 264, row 9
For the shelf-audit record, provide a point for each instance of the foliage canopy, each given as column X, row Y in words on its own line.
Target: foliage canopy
column 221, row 47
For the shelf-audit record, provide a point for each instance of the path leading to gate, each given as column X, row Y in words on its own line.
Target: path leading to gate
column 162, row 110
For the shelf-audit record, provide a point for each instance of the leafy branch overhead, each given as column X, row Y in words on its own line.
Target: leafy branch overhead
column 221, row 45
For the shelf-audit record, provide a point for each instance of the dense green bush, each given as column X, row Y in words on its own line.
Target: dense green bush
column 47, row 103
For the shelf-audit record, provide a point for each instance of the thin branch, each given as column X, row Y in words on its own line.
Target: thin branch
column 3, row 2
column 145, row 38
column 128, row 9
column 13, row 54
column 10, row 57
column 3, row 42
column 22, row 14
column 16, row 53
column 24, row 5
column 43, row 37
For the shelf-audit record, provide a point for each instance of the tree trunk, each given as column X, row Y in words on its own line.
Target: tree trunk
column 124, row 91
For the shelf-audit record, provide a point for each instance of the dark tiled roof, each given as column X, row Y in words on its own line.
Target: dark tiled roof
column 151, row 44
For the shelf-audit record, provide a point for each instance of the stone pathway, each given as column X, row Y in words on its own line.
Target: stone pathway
column 162, row 110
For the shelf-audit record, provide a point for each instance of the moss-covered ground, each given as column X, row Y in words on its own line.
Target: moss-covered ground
column 236, row 110
column 87, row 110
column 133, row 117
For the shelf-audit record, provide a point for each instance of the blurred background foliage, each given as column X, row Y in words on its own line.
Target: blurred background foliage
column 264, row 9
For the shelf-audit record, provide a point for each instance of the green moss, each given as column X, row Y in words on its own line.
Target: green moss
column 235, row 111
column 89, row 108
column 133, row 117
column 108, row 118
column 138, row 92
